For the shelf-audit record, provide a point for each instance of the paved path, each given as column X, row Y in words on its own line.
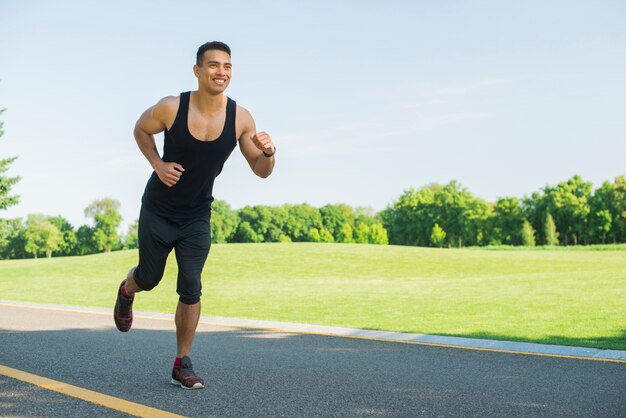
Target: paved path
column 252, row 372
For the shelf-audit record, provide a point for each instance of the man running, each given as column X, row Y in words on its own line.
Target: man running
column 202, row 128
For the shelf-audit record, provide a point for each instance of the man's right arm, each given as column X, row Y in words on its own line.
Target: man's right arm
column 153, row 121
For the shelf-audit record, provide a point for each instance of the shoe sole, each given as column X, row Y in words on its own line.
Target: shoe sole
column 122, row 327
column 195, row 386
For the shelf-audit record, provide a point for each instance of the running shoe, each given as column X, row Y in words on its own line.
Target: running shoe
column 185, row 377
column 123, row 312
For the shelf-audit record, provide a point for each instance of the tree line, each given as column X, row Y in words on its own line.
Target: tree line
column 40, row 235
column 570, row 213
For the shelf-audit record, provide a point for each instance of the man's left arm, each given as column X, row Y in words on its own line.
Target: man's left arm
column 257, row 147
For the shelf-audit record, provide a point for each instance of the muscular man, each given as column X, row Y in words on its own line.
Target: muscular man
column 202, row 128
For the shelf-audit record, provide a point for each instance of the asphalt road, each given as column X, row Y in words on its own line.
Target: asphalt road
column 261, row 373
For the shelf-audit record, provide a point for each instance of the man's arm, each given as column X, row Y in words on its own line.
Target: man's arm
column 151, row 122
column 254, row 144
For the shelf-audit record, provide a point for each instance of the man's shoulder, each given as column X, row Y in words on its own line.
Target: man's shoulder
column 169, row 102
column 243, row 121
column 166, row 109
column 243, row 113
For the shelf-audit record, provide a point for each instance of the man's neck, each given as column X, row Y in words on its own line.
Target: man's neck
column 209, row 103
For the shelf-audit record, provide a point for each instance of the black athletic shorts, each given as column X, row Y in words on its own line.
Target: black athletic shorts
column 191, row 241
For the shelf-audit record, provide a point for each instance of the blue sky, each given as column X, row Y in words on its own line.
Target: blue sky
column 363, row 99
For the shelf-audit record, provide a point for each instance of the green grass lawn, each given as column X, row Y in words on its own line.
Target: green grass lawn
column 550, row 296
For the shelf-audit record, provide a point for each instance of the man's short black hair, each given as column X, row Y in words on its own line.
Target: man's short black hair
column 209, row 46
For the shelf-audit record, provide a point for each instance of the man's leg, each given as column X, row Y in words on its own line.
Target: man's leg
column 187, row 317
column 156, row 240
column 191, row 250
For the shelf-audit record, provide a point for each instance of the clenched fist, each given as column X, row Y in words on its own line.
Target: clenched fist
column 263, row 141
column 169, row 173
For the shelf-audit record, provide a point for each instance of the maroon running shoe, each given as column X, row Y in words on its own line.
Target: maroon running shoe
column 185, row 377
column 123, row 312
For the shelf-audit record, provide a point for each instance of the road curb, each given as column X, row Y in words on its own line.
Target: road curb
column 425, row 339
column 397, row 337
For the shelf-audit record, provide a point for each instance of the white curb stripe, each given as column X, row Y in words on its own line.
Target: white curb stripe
column 584, row 353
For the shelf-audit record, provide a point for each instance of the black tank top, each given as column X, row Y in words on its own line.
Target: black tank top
column 202, row 160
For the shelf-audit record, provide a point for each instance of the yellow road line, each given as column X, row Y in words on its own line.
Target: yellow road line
column 97, row 398
column 328, row 334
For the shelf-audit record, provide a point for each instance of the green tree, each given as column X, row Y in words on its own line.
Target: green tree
column 550, row 232
column 507, row 221
column 528, row 234
column 6, row 182
column 253, row 224
column 107, row 219
column 450, row 209
column 276, row 231
column 224, row 222
column 300, row 220
column 313, row 235
column 245, row 233
column 568, row 202
column 478, row 214
column 602, row 213
column 460, row 214
column 346, row 234
column 362, row 233
column 266, row 222
column 12, row 239
column 85, row 240
column 131, row 239
column 351, row 213
column 535, row 209
column 68, row 243
column 378, row 234
column 285, row 238
column 42, row 236
column 326, row 236
column 607, row 218
column 409, row 220
column 618, row 209
column 334, row 217
column 601, row 222
column 438, row 236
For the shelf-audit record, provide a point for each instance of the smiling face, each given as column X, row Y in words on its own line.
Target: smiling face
column 214, row 71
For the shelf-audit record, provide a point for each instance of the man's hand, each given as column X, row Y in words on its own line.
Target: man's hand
column 169, row 173
column 263, row 141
